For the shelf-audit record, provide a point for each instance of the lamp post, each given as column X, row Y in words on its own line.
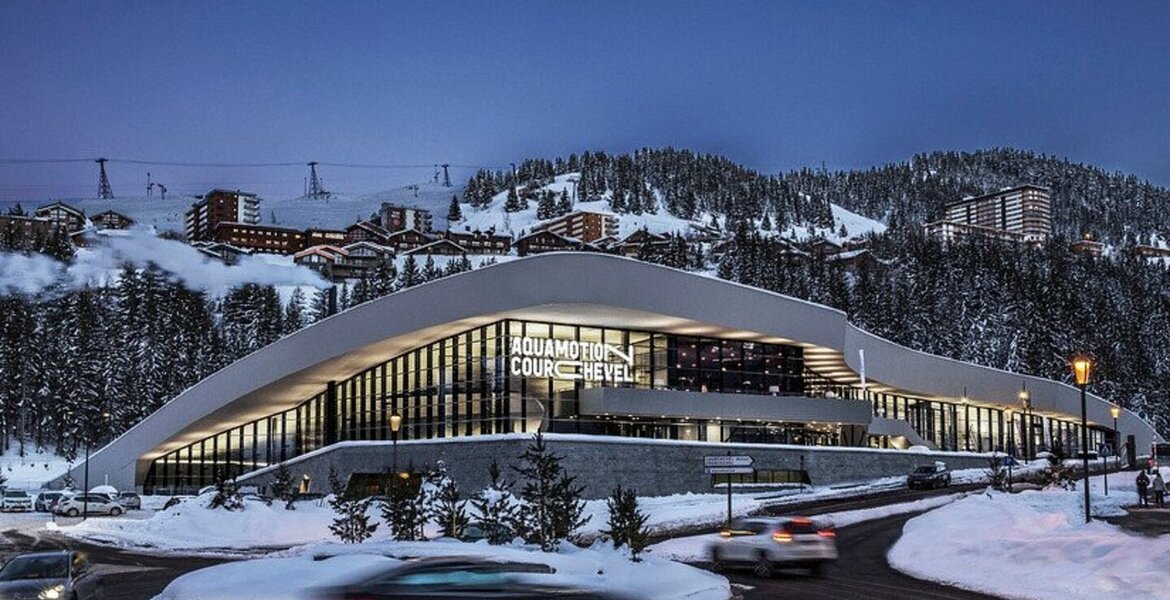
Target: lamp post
column 1082, row 370
column 1116, row 412
column 1011, row 453
column 85, row 492
column 1026, row 421
column 395, row 425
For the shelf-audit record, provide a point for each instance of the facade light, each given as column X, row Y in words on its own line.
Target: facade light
column 1082, row 369
column 1115, row 411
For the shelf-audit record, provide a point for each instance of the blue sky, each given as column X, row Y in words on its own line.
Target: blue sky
column 773, row 85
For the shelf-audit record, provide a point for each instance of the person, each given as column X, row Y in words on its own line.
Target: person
column 1143, row 484
column 1159, row 487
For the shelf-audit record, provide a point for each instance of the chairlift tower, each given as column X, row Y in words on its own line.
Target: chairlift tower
column 316, row 188
column 105, row 192
column 446, row 175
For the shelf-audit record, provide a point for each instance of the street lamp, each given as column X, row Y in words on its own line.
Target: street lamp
column 1026, row 418
column 1011, row 453
column 395, row 425
column 85, row 492
column 1114, row 410
column 1082, row 370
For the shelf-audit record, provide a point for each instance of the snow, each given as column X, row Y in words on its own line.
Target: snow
column 100, row 264
column 294, row 573
column 1035, row 545
column 33, row 470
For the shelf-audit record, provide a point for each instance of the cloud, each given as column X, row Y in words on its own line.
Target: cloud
column 100, row 263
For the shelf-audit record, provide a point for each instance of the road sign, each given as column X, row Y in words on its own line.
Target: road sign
column 1103, row 451
column 728, row 470
column 727, row 461
column 1010, row 461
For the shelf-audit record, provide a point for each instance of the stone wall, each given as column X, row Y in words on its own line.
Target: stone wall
column 652, row 467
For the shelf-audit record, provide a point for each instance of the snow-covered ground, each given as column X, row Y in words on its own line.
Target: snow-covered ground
column 293, row 574
column 1035, row 545
column 33, row 470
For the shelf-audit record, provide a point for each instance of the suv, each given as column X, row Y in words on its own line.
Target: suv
column 15, row 500
column 45, row 501
column 98, row 504
column 930, row 476
column 770, row 543
column 130, row 500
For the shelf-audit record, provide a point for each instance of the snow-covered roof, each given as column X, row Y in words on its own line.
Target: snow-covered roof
column 324, row 250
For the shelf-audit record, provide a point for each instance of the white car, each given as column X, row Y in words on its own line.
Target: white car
column 767, row 544
column 98, row 504
column 15, row 500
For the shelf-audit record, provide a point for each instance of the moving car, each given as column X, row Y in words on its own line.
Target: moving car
column 459, row 577
column 60, row 575
column 15, row 500
column 130, row 500
column 98, row 504
column 45, row 501
column 929, row 477
column 768, row 544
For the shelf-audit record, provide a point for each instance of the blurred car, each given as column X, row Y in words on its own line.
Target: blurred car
column 15, row 500
column 768, row 544
column 460, row 578
column 478, row 530
column 929, row 477
column 60, row 575
column 130, row 500
column 96, row 504
column 45, row 501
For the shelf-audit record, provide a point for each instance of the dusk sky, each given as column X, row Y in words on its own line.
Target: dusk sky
column 773, row 85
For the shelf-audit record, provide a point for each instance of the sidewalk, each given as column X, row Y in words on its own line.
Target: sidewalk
column 1151, row 522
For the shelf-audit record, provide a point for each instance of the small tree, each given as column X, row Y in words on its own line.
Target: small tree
column 282, row 487
column 227, row 496
column 496, row 507
column 1056, row 475
column 997, row 474
column 514, row 203
column 627, row 523
column 551, row 506
column 450, row 509
column 454, row 212
column 404, row 510
column 351, row 525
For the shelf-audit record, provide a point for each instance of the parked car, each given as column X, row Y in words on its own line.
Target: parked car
column 15, row 500
column 460, row 578
column 767, row 544
column 96, row 504
column 130, row 500
column 45, row 501
column 929, row 477
column 57, row 575
column 478, row 530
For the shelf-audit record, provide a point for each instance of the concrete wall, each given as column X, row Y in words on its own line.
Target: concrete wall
column 651, row 467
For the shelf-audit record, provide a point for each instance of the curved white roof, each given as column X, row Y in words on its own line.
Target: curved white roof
column 583, row 288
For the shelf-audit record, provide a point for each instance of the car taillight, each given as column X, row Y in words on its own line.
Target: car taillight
column 827, row 533
column 781, row 537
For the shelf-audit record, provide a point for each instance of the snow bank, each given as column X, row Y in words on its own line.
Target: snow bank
column 1036, row 545
column 294, row 574
column 37, row 467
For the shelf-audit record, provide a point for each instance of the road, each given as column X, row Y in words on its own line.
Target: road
column 119, row 575
column 861, row 571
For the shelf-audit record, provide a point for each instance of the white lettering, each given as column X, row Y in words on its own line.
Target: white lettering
column 570, row 360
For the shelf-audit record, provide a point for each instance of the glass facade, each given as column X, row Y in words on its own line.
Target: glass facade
column 518, row 376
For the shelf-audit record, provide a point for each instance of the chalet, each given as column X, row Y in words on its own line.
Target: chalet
column 439, row 248
column 408, row 239
column 111, row 220
column 366, row 255
column 480, row 242
column 261, row 238
column 331, row 262
column 632, row 246
column 65, row 216
column 1087, row 247
column 366, row 231
column 546, row 241
column 324, row 237
column 822, row 247
column 396, row 218
column 851, row 260
column 25, row 227
column 1147, row 251
column 225, row 253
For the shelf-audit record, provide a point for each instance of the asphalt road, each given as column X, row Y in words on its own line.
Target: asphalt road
column 119, row 575
column 860, row 572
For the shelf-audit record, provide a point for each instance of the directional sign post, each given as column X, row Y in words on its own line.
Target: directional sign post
column 728, row 465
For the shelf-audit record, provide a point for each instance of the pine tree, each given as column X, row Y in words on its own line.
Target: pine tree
column 294, row 312
column 282, row 487
column 496, row 507
column 351, row 525
column 564, row 204
column 410, row 275
column 627, row 523
column 454, row 212
column 551, row 507
column 546, row 207
column 450, row 510
column 227, row 496
column 404, row 510
column 430, row 272
column 514, row 203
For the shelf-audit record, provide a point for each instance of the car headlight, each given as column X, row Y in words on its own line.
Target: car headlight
column 52, row 593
